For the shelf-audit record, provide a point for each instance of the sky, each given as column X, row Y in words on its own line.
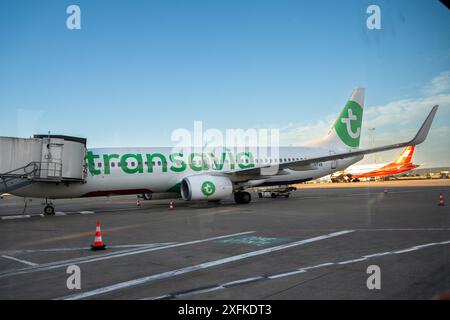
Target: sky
column 138, row 70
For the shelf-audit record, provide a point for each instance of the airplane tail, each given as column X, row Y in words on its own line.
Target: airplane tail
column 346, row 130
column 406, row 155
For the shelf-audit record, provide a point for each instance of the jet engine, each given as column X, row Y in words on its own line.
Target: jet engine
column 206, row 187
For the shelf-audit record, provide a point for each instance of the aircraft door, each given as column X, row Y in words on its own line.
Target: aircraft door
column 333, row 162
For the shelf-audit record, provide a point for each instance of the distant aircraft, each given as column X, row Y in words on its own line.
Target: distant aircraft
column 401, row 164
column 193, row 176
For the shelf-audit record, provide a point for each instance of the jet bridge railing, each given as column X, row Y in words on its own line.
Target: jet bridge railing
column 18, row 178
column 48, row 170
column 27, row 171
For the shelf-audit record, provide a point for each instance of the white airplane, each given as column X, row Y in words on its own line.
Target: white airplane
column 213, row 177
column 376, row 170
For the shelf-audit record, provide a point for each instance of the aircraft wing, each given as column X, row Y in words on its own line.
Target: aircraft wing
column 419, row 138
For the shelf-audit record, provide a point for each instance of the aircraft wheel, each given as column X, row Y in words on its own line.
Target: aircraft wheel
column 147, row 196
column 49, row 210
column 242, row 197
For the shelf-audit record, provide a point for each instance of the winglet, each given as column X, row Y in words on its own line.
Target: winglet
column 424, row 129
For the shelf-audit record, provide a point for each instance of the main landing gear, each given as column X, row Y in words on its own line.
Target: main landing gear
column 242, row 197
column 49, row 209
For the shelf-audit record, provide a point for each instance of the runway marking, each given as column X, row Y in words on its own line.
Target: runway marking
column 22, row 216
column 254, row 240
column 20, row 260
column 286, row 273
column 86, row 212
column 205, row 265
column 117, row 254
column 352, row 261
column 146, row 245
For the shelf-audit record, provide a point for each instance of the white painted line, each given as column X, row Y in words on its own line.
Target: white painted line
column 281, row 275
column 352, row 261
column 16, row 217
column 191, row 292
column 173, row 273
column 420, row 247
column 158, row 298
column 318, row 266
column 21, row 261
column 117, row 254
column 143, row 245
column 290, row 273
column 86, row 212
column 423, row 246
column 378, row 254
column 232, row 283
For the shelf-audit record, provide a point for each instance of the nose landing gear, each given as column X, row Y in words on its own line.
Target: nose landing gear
column 49, row 209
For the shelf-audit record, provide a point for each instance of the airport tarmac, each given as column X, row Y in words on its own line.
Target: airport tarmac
column 317, row 244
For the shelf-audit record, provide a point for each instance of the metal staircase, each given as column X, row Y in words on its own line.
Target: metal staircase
column 19, row 177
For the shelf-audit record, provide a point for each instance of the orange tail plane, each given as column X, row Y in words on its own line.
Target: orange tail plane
column 406, row 155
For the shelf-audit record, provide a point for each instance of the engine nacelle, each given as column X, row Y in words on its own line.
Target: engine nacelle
column 206, row 187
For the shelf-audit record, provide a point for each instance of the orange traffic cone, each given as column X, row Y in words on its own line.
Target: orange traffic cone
column 98, row 243
column 441, row 200
column 171, row 207
column 138, row 202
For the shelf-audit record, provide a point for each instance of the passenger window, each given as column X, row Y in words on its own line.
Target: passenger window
column 113, row 164
column 99, row 164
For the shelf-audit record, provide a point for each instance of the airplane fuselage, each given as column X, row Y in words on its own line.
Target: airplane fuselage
column 116, row 171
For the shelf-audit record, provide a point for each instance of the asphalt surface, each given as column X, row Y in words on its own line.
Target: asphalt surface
column 317, row 244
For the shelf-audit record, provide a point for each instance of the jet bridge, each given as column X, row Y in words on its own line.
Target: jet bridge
column 43, row 158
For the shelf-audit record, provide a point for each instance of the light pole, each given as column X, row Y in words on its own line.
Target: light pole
column 372, row 141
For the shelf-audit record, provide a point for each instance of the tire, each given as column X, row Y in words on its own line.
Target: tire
column 242, row 197
column 147, row 196
column 260, row 195
column 49, row 210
